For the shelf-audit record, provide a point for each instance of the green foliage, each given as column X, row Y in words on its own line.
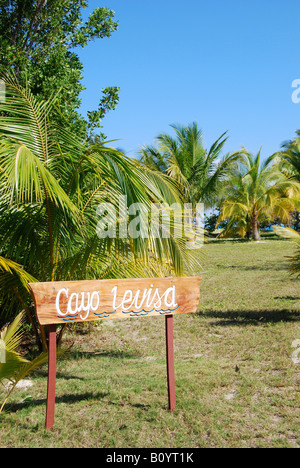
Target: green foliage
column 211, row 221
column 39, row 40
column 289, row 162
column 198, row 173
column 254, row 193
column 290, row 157
column 13, row 286
column 15, row 367
column 294, row 236
column 51, row 184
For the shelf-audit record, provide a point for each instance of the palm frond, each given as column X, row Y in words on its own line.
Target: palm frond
column 294, row 236
column 13, row 269
column 287, row 233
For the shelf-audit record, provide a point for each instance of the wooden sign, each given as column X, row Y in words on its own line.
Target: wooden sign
column 79, row 301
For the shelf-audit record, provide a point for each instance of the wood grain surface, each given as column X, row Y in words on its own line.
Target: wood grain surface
column 79, row 301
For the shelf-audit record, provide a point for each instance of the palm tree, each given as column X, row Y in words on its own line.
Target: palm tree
column 15, row 367
column 289, row 160
column 254, row 193
column 294, row 236
column 51, row 185
column 290, row 156
column 14, row 285
column 199, row 173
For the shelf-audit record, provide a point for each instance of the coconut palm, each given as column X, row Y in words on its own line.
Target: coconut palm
column 14, row 367
column 51, row 185
column 289, row 161
column 294, row 236
column 290, row 156
column 14, row 286
column 199, row 173
column 254, row 193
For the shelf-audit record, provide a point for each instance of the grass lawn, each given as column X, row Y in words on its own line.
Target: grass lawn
column 236, row 383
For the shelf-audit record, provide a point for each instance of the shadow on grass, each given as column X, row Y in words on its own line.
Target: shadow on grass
column 85, row 355
column 288, row 298
column 237, row 240
column 59, row 375
column 267, row 267
column 133, row 405
column 69, row 399
column 216, row 240
column 117, row 354
column 254, row 318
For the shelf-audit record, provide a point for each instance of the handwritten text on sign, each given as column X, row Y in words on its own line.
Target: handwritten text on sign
column 77, row 301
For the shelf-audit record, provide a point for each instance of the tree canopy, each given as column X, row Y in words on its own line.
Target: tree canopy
column 39, row 40
column 254, row 192
column 198, row 172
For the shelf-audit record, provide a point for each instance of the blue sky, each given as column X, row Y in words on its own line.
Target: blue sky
column 227, row 64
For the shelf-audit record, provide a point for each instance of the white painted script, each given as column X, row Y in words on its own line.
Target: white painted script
column 79, row 303
column 147, row 300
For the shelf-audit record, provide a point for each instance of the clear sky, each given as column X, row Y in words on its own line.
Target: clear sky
column 227, row 64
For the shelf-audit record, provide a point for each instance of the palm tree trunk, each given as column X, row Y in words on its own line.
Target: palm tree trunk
column 255, row 229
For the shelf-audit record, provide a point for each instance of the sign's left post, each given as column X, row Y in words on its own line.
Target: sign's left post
column 51, row 377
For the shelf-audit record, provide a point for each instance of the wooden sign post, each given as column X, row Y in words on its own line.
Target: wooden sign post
column 80, row 301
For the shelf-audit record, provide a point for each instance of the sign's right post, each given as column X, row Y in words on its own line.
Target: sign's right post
column 170, row 362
